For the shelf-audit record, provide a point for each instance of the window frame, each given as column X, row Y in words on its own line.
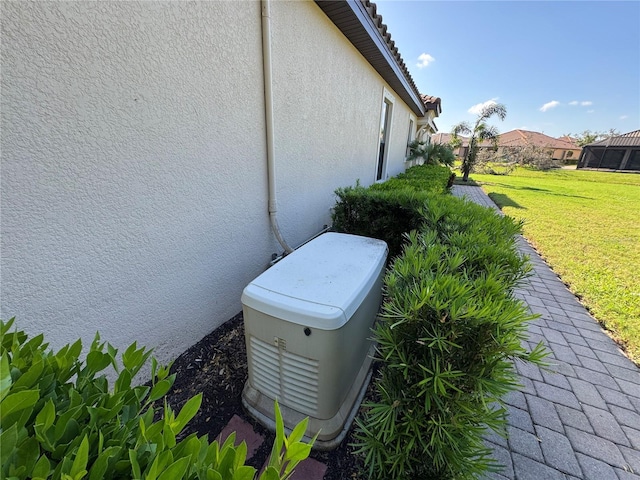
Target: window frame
column 412, row 132
column 384, row 134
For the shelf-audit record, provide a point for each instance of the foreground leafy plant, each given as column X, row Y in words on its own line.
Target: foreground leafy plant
column 60, row 420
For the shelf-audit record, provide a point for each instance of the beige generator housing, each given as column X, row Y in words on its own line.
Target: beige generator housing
column 308, row 325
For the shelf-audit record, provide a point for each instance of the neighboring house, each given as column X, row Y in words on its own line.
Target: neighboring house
column 621, row 152
column 559, row 148
column 445, row 139
column 136, row 153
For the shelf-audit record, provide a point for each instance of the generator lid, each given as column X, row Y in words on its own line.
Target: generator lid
column 322, row 283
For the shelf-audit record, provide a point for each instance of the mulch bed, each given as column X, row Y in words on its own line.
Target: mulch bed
column 217, row 367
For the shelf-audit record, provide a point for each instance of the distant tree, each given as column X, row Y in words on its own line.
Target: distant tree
column 479, row 133
column 588, row 136
column 503, row 162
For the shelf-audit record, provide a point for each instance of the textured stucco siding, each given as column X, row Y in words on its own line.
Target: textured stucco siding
column 134, row 190
column 328, row 102
column 133, row 171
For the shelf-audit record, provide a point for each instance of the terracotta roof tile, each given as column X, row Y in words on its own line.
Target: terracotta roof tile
column 386, row 36
column 431, row 102
column 517, row 138
column 521, row 138
column 571, row 140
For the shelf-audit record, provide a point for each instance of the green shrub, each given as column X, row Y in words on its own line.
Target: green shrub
column 383, row 214
column 431, row 153
column 390, row 209
column 60, row 420
column 449, row 333
column 422, row 178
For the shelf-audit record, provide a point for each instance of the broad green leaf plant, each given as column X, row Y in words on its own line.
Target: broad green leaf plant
column 60, row 420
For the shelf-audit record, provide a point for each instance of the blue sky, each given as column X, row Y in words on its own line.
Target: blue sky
column 559, row 67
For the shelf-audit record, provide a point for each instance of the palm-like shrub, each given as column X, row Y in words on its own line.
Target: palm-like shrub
column 431, row 153
column 449, row 333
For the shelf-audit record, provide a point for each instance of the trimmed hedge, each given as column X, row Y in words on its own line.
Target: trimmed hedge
column 390, row 209
column 420, row 178
column 386, row 215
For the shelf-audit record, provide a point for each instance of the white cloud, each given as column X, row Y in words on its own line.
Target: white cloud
column 624, row 117
column 424, row 60
column 477, row 108
column 590, row 111
column 584, row 103
column 549, row 105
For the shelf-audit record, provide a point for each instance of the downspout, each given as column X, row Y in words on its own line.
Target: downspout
column 268, row 104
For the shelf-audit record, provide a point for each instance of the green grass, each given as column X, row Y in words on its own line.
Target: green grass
column 585, row 225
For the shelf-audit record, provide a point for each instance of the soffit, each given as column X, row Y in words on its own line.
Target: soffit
column 363, row 27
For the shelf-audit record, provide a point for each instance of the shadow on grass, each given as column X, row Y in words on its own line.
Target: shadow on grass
column 534, row 189
column 503, row 200
column 469, row 183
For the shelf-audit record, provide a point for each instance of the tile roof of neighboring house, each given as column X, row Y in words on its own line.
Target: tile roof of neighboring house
column 441, row 138
column 571, row 140
column 362, row 25
column 432, row 103
column 445, row 138
column 522, row 138
column 514, row 138
column 630, row 139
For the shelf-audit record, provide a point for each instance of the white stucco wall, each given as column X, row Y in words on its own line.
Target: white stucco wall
column 134, row 191
column 328, row 102
column 133, row 171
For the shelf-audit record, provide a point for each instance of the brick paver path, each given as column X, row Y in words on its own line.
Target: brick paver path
column 583, row 419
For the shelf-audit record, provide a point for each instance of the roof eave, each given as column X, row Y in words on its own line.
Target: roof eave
column 353, row 20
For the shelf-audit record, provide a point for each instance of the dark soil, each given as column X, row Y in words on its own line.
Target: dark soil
column 217, row 367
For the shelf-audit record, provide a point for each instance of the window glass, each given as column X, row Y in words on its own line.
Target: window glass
column 385, row 122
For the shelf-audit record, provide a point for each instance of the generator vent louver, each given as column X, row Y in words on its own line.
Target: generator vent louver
column 280, row 374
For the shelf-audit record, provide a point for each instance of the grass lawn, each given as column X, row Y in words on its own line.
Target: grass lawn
column 587, row 227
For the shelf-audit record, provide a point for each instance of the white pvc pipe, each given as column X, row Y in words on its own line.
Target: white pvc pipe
column 268, row 102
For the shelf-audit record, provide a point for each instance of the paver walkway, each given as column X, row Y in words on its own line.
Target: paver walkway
column 583, row 419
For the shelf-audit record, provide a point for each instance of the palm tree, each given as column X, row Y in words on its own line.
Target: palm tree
column 481, row 132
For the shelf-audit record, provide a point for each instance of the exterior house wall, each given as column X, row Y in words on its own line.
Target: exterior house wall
column 133, row 175
column 563, row 154
column 327, row 101
column 134, row 190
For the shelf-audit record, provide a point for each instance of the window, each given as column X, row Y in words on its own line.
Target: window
column 385, row 132
column 410, row 136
